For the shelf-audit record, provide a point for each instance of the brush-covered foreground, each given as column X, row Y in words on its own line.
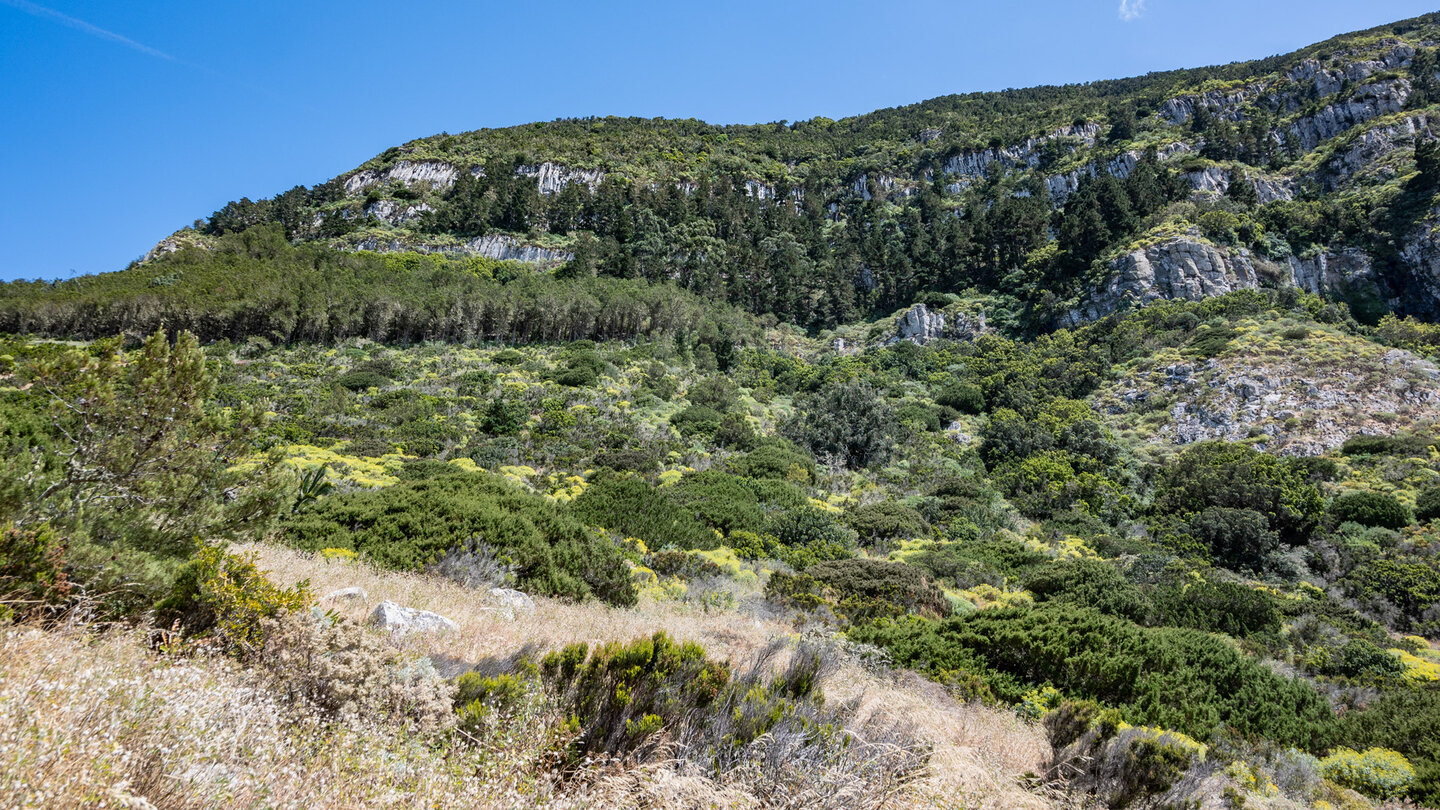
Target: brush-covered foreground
column 765, row 571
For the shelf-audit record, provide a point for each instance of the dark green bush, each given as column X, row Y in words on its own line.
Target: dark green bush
column 696, row 420
column 1427, row 504
column 904, row 586
column 1235, row 538
column 361, row 380
column 849, row 421
column 1371, row 509
column 615, row 689
column 1090, row 583
column 1216, row 607
column 886, row 520
column 1236, row 476
column 716, row 393
column 775, row 461
column 719, row 499
column 963, row 397
column 735, row 432
column 409, row 525
column 997, row 561
column 1185, row 680
column 1408, row 721
column 811, row 528
column 503, row 417
column 633, row 507
column 920, row 416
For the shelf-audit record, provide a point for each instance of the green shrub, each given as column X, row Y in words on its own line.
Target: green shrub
column 1185, row 680
column 1235, row 538
column 735, row 432
column 860, row 580
column 716, row 393
column 634, row 508
column 849, row 421
column 1427, row 504
column 615, row 687
column 1090, row 583
column 813, row 529
column 33, row 580
column 996, row 561
column 919, row 416
column 963, row 397
column 225, row 594
column 1236, row 476
column 1377, row 772
column 503, row 417
column 886, row 520
column 411, row 524
column 1408, row 721
column 721, row 500
column 508, row 357
column 361, row 380
column 1215, row 606
column 775, row 461
column 1371, row 509
column 696, row 420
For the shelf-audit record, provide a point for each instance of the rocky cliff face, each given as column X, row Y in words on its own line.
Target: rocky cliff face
column 438, row 175
column 1183, row 267
column 550, row 177
column 920, row 325
column 1188, row 268
column 500, row 247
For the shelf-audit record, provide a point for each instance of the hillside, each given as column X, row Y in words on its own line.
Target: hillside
column 1070, row 447
column 1069, row 201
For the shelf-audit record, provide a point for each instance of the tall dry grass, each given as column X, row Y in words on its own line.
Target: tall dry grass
column 96, row 718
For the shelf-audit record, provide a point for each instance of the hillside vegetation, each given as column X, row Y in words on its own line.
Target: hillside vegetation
column 1068, row 447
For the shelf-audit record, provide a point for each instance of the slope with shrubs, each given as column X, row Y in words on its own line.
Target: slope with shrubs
column 1171, row 618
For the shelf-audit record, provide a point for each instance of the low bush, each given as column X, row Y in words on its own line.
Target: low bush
column 334, row 665
column 963, row 397
column 633, row 507
column 997, row 561
column 1376, row 772
column 696, row 420
column 775, row 461
column 719, row 499
column 412, row 524
column 1371, row 509
column 1427, row 504
column 887, row 520
column 33, row 579
column 226, row 595
column 1185, row 680
column 1090, row 583
column 904, row 586
column 362, row 380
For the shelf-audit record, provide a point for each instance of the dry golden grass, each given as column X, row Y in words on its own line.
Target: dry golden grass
column 979, row 753
column 92, row 718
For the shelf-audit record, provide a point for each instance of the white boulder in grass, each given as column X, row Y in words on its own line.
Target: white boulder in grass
column 346, row 594
column 401, row 620
column 512, row 602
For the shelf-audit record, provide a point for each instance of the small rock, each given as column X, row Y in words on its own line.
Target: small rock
column 512, row 602
column 402, row 620
column 348, row 594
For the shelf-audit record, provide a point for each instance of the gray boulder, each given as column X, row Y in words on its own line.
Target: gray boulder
column 353, row 594
column 512, row 602
column 401, row 621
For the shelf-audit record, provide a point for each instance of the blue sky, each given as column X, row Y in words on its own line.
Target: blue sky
column 125, row 121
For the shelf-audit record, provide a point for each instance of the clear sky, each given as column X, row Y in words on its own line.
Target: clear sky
column 123, row 121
